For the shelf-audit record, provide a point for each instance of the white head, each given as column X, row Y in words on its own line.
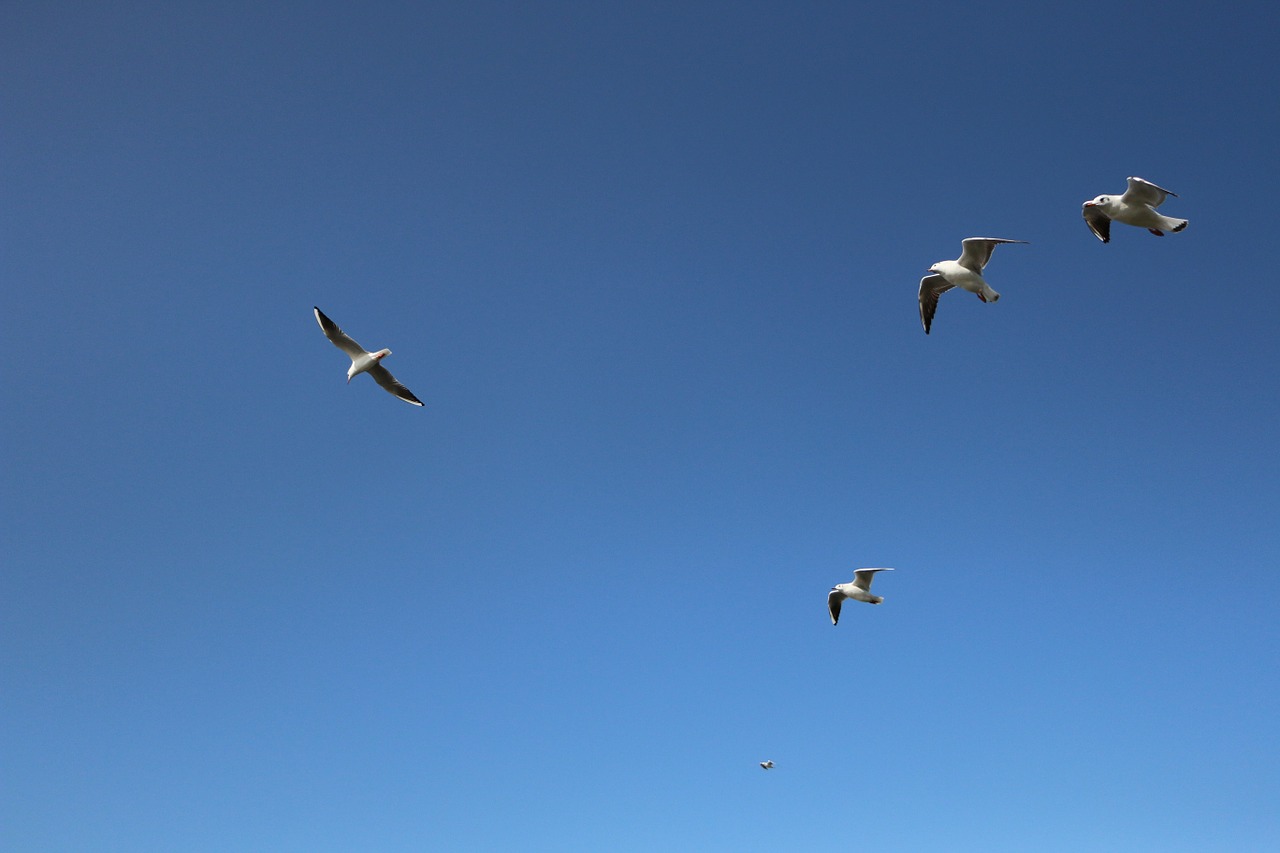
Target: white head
column 1103, row 201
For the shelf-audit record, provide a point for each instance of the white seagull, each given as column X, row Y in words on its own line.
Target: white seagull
column 363, row 361
column 859, row 590
column 1136, row 207
column 766, row 765
column 964, row 272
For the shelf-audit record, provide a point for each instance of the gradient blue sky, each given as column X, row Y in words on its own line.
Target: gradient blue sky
column 653, row 268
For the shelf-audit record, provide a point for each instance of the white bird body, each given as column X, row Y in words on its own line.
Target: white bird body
column 859, row 589
column 1136, row 206
column 363, row 361
column 766, row 765
column 958, row 275
column 852, row 590
column 965, row 273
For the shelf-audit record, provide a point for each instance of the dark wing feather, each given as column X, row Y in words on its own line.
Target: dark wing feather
column 340, row 338
column 834, row 599
column 1099, row 223
column 931, row 287
column 384, row 378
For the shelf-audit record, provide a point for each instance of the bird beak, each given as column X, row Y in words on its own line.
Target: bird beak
column 1089, row 204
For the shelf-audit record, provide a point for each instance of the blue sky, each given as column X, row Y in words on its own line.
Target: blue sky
column 653, row 271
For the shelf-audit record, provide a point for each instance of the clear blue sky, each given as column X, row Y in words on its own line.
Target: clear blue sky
column 652, row 267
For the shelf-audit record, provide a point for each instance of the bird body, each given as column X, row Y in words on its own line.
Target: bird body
column 363, row 361
column 859, row 589
column 965, row 273
column 958, row 275
column 766, row 765
column 1136, row 206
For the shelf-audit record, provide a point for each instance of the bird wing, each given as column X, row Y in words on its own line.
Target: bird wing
column 931, row 287
column 977, row 251
column 835, row 598
column 384, row 378
column 340, row 338
column 862, row 578
column 1145, row 192
column 1099, row 223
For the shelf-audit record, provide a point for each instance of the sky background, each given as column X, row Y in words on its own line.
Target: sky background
column 652, row 267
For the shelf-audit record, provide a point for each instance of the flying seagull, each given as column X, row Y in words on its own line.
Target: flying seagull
column 1136, row 207
column 859, row 590
column 363, row 361
column 766, row 765
column 964, row 272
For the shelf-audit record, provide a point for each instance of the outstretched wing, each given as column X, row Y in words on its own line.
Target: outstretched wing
column 835, row 598
column 977, row 251
column 340, row 338
column 1099, row 223
column 384, row 378
column 862, row 578
column 931, row 287
column 1145, row 192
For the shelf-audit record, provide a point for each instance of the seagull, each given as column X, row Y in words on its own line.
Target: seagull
column 964, row 272
column 858, row 590
column 1136, row 207
column 766, row 765
column 363, row 361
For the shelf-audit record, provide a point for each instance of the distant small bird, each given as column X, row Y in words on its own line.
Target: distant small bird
column 767, row 765
column 363, row 361
column 859, row 590
column 1136, row 207
column 964, row 272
